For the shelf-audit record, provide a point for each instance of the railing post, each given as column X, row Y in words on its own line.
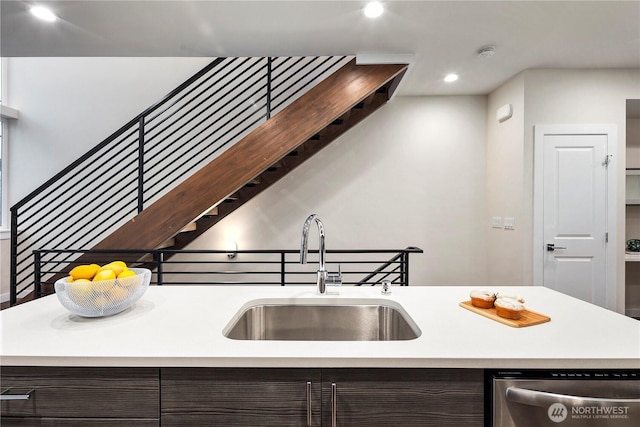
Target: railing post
column 37, row 283
column 141, row 164
column 405, row 268
column 269, row 89
column 282, row 268
column 13, row 271
column 159, row 262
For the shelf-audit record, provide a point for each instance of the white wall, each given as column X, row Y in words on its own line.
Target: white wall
column 68, row 105
column 412, row 174
column 553, row 97
column 546, row 97
column 581, row 96
column 505, row 186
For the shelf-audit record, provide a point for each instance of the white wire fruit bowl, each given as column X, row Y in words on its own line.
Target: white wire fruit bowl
column 105, row 297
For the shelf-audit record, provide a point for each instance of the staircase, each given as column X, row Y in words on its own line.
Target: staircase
column 260, row 157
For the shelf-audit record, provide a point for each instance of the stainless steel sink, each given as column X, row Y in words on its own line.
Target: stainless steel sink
column 313, row 320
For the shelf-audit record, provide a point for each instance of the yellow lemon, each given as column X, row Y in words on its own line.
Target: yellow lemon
column 120, row 263
column 126, row 273
column 103, row 280
column 85, row 271
column 117, row 294
column 80, row 291
column 127, row 279
column 104, row 275
column 117, row 269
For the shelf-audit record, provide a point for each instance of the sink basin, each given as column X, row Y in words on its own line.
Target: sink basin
column 322, row 320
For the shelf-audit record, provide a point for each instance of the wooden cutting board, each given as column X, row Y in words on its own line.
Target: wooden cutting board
column 529, row 318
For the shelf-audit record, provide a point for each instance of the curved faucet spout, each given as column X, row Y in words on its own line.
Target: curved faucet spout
column 304, row 250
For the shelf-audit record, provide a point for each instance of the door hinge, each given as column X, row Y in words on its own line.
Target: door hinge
column 607, row 160
column 606, row 237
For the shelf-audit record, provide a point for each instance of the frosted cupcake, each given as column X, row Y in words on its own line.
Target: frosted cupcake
column 482, row 299
column 509, row 308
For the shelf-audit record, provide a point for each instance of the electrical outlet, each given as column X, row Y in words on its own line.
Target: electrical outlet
column 496, row 222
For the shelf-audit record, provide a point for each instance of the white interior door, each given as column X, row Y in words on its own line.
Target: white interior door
column 575, row 212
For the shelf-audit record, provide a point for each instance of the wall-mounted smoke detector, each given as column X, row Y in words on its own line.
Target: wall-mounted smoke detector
column 486, row 52
column 504, row 113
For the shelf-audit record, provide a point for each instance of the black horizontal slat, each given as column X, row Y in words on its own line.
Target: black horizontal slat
column 218, row 100
column 220, row 103
column 271, row 266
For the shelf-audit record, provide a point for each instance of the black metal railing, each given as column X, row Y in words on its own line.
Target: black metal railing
column 154, row 152
column 247, row 267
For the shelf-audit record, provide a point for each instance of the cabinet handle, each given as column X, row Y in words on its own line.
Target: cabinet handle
column 4, row 395
column 544, row 399
column 309, row 420
column 334, row 405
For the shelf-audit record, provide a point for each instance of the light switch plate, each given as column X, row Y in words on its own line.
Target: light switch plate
column 496, row 222
column 509, row 223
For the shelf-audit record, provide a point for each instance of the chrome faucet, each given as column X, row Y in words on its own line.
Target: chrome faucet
column 322, row 275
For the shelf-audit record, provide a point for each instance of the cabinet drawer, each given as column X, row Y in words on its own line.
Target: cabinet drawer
column 82, row 392
column 240, row 397
column 78, row 422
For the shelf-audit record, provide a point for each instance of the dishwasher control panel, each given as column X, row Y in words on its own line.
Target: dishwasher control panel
column 565, row 398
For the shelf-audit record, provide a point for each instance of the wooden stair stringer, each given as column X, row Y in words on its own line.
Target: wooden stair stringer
column 286, row 165
column 252, row 155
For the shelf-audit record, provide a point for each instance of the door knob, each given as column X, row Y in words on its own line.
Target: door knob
column 552, row 247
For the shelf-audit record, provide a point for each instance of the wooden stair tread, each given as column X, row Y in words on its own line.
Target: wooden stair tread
column 261, row 158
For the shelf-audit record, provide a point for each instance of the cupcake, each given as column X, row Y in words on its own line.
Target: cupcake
column 482, row 299
column 509, row 308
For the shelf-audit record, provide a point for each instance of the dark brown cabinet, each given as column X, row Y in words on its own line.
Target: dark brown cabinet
column 69, row 396
column 77, row 422
column 402, row 397
column 327, row 397
column 233, row 397
column 240, row 397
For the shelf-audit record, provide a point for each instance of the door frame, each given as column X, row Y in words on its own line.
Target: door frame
column 539, row 132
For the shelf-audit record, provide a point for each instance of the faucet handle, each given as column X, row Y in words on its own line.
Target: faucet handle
column 334, row 280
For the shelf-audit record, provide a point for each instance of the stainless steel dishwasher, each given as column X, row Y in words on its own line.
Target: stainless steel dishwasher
column 589, row 398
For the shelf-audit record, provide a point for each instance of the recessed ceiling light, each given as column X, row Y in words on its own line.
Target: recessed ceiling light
column 373, row 9
column 43, row 13
column 451, row 78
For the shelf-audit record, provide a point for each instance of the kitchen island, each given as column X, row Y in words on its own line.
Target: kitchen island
column 182, row 326
column 166, row 361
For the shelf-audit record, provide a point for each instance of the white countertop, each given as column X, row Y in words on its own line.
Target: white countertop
column 182, row 326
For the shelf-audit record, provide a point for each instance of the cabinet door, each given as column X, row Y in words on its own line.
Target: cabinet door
column 240, row 397
column 403, row 397
column 59, row 392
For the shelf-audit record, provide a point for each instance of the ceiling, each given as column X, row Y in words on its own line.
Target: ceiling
column 438, row 37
